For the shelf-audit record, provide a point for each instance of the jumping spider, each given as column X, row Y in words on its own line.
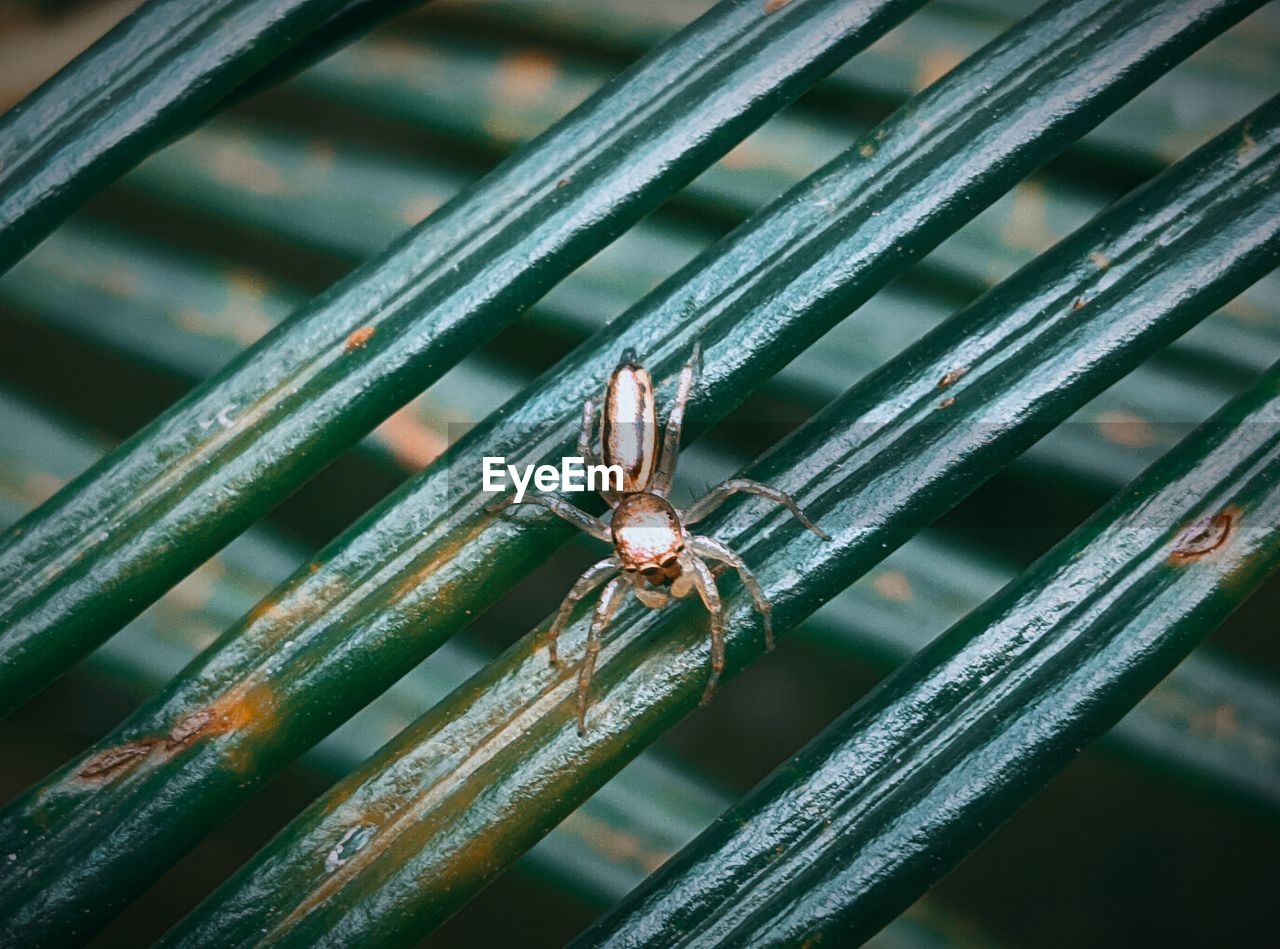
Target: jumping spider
column 654, row 555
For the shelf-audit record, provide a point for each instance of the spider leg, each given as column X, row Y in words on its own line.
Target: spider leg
column 584, row 446
column 705, row 584
column 575, row 516
column 605, row 609
column 716, row 550
column 591, row 578
column 721, row 493
column 675, row 422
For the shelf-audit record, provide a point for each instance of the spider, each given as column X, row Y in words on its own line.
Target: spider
column 654, row 555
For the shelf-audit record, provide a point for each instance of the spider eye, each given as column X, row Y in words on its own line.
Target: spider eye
column 650, row 571
column 630, row 568
column 668, row 563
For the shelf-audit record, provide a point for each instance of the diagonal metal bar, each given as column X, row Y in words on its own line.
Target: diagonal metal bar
column 100, row 551
column 900, row 788
column 481, row 777
column 416, row 569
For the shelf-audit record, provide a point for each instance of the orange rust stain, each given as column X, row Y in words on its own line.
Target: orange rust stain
column 1203, row 536
column 1078, row 304
column 1099, row 259
column 1126, row 428
column 953, row 376
column 773, row 6
column 947, row 403
column 866, row 150
column 360, row 337
column 413, row 444
column 242, row 706
column 894, row 586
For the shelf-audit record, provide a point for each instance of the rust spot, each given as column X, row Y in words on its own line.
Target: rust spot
column 773, row 6
column 893, row 585
column 947, row 403
column 1203, row 536
column 189, row 727
column 360, row 337
column 313, row 567
column 1099, row 259
column 116, row 760
column 1078, row 304
column 952, row 376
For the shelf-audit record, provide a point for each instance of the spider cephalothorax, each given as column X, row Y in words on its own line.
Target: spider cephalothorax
column 654, row 555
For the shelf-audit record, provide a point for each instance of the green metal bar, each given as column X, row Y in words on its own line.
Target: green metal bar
column 1232, row 75
column 478, row 779
column 907, row 782
column 190, row 316
column 85, row 563
column 148, row 80
column 600, row 852
column 418, row 567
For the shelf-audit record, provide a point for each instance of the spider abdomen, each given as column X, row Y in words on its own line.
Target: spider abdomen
column 629, row 426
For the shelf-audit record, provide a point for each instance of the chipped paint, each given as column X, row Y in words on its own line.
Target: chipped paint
column 953, row 375
column 359, row 338
column 114, row 761
column 947, row 403
column 1203, row 536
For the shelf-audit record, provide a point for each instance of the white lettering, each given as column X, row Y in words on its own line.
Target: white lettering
column 492, row 476
column 568, row 477
column 521, row 483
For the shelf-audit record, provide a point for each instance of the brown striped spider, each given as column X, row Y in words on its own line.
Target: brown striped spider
column 654, row 555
